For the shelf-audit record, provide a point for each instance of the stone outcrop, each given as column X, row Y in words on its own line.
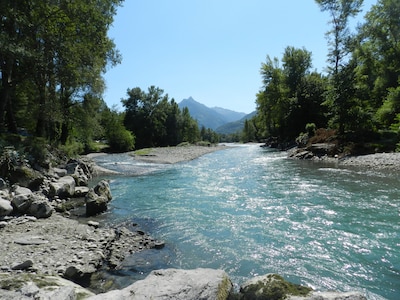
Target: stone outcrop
column 63, row 187
column 97, row 198
column 271, row 286
column 175, row 284
column 24, row 286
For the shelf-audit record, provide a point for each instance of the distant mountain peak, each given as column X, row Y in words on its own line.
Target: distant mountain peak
column 210, row 117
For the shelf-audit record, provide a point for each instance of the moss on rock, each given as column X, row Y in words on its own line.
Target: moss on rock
column 271, row 287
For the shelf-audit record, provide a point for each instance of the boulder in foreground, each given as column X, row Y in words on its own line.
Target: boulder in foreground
column 175, row 284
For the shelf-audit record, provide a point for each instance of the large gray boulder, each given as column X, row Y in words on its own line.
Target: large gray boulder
column 63, row 187
column 174, row 284
column 21, row 198
column 40, row 207
column 80, row 171
column 97, row 198
column 103, row 189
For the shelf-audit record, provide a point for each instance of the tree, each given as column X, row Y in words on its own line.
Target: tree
column 339, row 48
column 249, row 132
column 378, row 59
column 119, row 138
column 291, row 96
column 52, row 53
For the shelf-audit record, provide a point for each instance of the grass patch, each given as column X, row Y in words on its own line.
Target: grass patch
column 141, row 152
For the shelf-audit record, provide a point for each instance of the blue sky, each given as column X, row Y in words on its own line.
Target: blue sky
column 211, row 50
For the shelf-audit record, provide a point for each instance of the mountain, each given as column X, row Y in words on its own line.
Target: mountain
column 209, row 117
column 229, row 115
column 235, row 126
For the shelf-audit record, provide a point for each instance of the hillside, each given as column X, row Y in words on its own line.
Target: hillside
column 210, row 117
column 235, row 126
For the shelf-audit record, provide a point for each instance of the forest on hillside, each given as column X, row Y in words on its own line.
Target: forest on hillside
column 357, row 99
column 53, row 55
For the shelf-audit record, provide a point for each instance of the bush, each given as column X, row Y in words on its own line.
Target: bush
column 121, row 140
column 310, row 129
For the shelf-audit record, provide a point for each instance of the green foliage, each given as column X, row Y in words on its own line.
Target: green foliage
column 157, row 121
column 360, row 95
column 291, row 96
column 119, row 138
column 52, row 57
column 310, row 129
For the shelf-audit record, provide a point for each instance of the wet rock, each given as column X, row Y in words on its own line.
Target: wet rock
column 5, row 207
column 103, row 189
column 176, row 284
column 97, row 199
column 95, row 204
column 159, row 244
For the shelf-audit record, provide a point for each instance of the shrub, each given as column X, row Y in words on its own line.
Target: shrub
column 121, row 140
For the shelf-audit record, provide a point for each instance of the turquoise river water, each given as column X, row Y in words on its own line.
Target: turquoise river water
column 251, row 211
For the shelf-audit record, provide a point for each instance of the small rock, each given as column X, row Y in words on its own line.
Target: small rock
column 159, row 244
column 93, row 224
column 3, row 224
column 30, row 240
column 23, row 266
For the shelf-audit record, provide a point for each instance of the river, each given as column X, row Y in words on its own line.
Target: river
column 251, row 211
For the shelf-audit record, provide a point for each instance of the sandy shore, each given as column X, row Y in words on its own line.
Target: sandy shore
column 172, row 155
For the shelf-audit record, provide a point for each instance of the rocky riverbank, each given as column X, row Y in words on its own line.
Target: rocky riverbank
column 42, row 246
column 321, row 152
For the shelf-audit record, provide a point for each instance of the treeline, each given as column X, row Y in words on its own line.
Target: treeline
column 52, row 58
column 358, row 97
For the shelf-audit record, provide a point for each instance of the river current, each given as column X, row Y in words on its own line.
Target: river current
column 251, row 211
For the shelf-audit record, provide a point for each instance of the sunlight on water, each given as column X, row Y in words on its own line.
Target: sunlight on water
column 251, row 211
